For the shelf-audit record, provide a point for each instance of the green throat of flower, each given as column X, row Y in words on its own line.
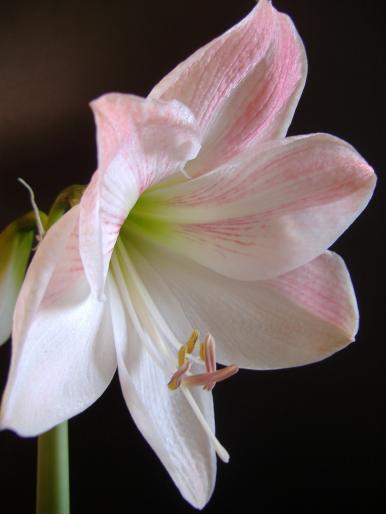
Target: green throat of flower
column 146, row 221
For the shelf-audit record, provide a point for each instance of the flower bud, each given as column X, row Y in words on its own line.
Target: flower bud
column 15, row 248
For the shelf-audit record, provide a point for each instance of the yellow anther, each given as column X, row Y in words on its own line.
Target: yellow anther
column 202, row 351
column 190, row 344
column 173, row 384
column 175, row 381
column 182, row 355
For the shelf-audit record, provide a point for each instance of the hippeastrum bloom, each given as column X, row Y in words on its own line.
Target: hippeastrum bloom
column 201, row 215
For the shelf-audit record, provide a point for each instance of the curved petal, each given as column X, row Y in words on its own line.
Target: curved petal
column 242, row 87
column 139, row 143
column 55, row 268
column 164, row 417
column 270, row 210
column 62, row 355
column 15, row 249
column 298, row 318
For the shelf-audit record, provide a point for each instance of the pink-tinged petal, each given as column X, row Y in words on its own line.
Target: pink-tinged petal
column 55, row 267
column 242, row 87
column 266, row 212
column 63, row 355
column 139, row 143
column 295, row 319
column 164, row 417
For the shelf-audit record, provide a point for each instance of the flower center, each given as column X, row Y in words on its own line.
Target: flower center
column 207, row 354
column 159, row 339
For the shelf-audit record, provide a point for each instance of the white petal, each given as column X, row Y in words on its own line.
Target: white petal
column 55, row 268
column 298, row 318
column 63, row 355
column 164, row 417
column 274, row 208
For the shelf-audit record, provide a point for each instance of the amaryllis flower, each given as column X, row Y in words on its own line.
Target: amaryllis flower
column 201, row 216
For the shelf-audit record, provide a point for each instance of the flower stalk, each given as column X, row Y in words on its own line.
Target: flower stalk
column 53, row 485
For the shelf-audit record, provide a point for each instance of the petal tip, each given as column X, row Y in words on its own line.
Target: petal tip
column 98, row 104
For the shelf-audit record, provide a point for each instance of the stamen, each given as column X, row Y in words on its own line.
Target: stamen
column 190, row 344
column 120, row 284
column 208, row 380
column 181, row 355
column 220, row 450
column 202, row 351
column 141, row 295
column 147, row 321
column 150, row 305
column 210, row 353
column 175, row 381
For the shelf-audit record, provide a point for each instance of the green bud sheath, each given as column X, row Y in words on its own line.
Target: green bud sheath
column 68, row 198
column 15, row 249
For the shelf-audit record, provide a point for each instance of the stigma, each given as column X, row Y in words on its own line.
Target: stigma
column 207, row 355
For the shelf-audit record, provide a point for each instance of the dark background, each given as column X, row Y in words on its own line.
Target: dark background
column 305, row 440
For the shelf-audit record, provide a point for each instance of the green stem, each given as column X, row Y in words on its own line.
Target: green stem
column 53, row 487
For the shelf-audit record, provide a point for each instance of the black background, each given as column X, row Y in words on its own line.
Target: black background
column 305, row 440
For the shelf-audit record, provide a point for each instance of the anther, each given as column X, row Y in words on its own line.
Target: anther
column 202, row 351
column 190, row 344
column 181, row 355
column 209, row 353
column 175, row 381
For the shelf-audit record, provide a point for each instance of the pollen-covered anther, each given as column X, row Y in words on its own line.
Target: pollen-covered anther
column 176, row 380
column 208, row 380
column 191, row 343
column 182, row 355
column 208, row 355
